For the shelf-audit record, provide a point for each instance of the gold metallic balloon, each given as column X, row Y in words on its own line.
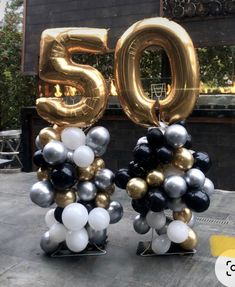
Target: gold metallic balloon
column 102, row 200
column 183, row 159
column 110, row 191
column 184, row 70
column 59, row 129
column 98, row 163
column 86, row 173
column 63, row 199
column 57, row 67
column 43, row 174
column 136, row 188
column 48, row 134
column 184, row 215
column 155, row 178
column 191, row 242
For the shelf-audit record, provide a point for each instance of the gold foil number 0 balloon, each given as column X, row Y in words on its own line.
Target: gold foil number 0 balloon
column 184, row 69
column 57, row 67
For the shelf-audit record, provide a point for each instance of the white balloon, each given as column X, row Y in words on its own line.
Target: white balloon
column 177, row 231
column 161, row 244
column 99, row 218
column 77, row 240
column 73, row 137
column 83, row 156
column 75, row 216
column 156, row 220
column 50, row 218
column 57, row 232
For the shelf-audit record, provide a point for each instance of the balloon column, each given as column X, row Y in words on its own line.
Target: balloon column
column 71, row 172
column 73, row 175
column 165, row 173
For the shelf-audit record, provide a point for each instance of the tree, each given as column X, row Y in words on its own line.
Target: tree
column 16, row 90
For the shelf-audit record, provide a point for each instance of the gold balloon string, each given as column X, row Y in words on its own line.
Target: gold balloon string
column 86, row 129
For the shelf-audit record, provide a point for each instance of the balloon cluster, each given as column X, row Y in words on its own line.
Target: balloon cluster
column 73, row 175
column 167, row 174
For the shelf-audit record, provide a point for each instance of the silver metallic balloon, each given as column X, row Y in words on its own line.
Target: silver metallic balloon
column 70, row 156
column 100, row 150
column 86, row 190
column 192, row 221
column 175, row 186
column 104, row 179
column 208, row 187
column 176, row 135
column 140, row 224
column 37, row 143
column 55, row 152
column 195, row 178
column 47, row 245
column 96, row 138
column 142, row 140
column 176, row 204
column 96, row 236
column 42, row 193
column 115, row 211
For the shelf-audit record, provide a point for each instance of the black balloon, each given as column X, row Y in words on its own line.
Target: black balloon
column 150, row 164
column 135, row 170
column 188, row 143
column 64, row 176
column 196, row 200
column 141, row 205
column 121, row 178
column 142, row 153
column 58, row 214
column 39, row 160
column 88, row 204
column 202, row 161
column 164, row 154
column 155, row 138
column 157, row 199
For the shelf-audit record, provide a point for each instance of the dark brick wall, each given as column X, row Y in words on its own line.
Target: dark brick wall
column 115, row 14
column 214, row 135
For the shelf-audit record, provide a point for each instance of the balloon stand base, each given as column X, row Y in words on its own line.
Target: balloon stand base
column 144, row 249
column 91, row 250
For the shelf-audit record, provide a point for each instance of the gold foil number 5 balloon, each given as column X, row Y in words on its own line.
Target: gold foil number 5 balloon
column 184, row 69
column 57, row 67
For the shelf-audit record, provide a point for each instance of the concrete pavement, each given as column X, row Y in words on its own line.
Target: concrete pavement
column 23, row 264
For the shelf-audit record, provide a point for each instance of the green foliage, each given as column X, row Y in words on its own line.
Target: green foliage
column 16, row 90
column 216, row 65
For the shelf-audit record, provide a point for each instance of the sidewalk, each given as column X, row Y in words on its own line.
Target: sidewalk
column 22, row 263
